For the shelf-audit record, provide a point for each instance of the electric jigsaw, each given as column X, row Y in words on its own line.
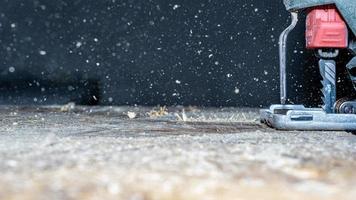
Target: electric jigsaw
column 330, row 28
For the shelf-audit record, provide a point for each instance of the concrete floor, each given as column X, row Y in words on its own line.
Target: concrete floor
column 69, row 152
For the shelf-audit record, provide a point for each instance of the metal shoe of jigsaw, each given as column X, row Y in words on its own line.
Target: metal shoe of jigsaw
column 330, row 27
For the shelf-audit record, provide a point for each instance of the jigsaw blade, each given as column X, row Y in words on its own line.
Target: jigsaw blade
column 328, row 73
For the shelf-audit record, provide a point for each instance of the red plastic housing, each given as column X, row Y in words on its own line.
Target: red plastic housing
column 325, row 28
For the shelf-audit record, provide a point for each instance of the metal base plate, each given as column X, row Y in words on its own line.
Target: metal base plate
column 297, row 117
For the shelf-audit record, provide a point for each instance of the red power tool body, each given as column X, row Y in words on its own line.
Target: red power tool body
column 325, row 28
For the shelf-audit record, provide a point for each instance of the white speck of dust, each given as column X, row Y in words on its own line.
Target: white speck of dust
column 175, row 7
column 229, row 75
column 96, row 39
column 13, row 25
column 12, row 69
column 42, row 52
column 78, row 44
column 237, row 91
column 178, row 82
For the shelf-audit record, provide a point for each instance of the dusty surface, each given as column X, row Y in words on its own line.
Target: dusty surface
column 100, row 153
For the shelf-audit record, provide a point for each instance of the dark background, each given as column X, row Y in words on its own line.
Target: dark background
column 150, row 52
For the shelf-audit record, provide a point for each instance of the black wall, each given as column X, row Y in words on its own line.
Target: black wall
column 202, row 52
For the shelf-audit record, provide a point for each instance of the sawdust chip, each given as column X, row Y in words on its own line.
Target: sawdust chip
column 68, row 107
column 158, row 112
column 131, row 115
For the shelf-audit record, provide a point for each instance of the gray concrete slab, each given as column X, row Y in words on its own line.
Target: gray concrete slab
column 69, row 152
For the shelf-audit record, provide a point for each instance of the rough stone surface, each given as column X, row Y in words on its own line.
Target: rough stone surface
column 136, row 153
